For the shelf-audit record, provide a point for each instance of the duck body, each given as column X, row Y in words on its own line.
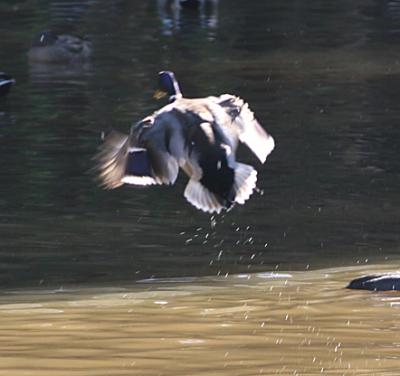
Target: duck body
column 199, row 136
column 50, row 48
column 6, row 81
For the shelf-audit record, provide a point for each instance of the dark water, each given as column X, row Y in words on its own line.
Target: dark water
column 322, row 77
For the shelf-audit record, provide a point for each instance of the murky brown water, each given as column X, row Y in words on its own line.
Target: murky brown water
column 303, row 323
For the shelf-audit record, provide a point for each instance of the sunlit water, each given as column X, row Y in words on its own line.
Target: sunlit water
column 301, row 323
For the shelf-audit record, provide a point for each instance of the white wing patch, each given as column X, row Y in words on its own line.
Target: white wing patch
column 138, row 180
column 259, row 141
column 246, row 127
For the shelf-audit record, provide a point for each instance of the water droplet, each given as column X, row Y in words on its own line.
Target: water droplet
column 160, row 302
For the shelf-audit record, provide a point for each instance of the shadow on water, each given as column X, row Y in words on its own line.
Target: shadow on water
column 322, row 78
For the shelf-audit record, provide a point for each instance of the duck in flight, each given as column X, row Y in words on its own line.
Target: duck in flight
column 199, row 136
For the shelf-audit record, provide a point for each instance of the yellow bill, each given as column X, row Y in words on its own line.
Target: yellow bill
column 159, row 94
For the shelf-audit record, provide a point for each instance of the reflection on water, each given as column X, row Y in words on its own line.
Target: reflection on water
column 177, row 19
column 248, row 324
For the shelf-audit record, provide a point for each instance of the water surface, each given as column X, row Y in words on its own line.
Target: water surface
column 322, row 78
column 302, row 323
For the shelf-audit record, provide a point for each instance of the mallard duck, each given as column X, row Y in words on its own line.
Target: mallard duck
column 48, row 47
column 6, row 82
column 200, row 136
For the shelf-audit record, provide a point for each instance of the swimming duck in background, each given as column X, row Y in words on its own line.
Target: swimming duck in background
column 6, row 82
column 50, row 48
column 200, row 136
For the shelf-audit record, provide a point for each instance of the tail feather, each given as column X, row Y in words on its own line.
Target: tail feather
column 200, row 197
column 245, row 182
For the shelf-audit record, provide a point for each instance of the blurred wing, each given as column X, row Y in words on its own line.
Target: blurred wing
column 112, row 159
column 149, row 155
column 120, row 163
column 244, row 124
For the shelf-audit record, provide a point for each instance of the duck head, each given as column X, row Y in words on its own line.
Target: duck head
column 167, row 85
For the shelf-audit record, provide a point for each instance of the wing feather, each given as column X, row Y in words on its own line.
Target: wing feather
column 245, row 125
column 111, row 160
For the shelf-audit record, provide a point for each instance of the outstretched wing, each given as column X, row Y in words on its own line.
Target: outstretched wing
column 246, row 126
column 142, row 158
